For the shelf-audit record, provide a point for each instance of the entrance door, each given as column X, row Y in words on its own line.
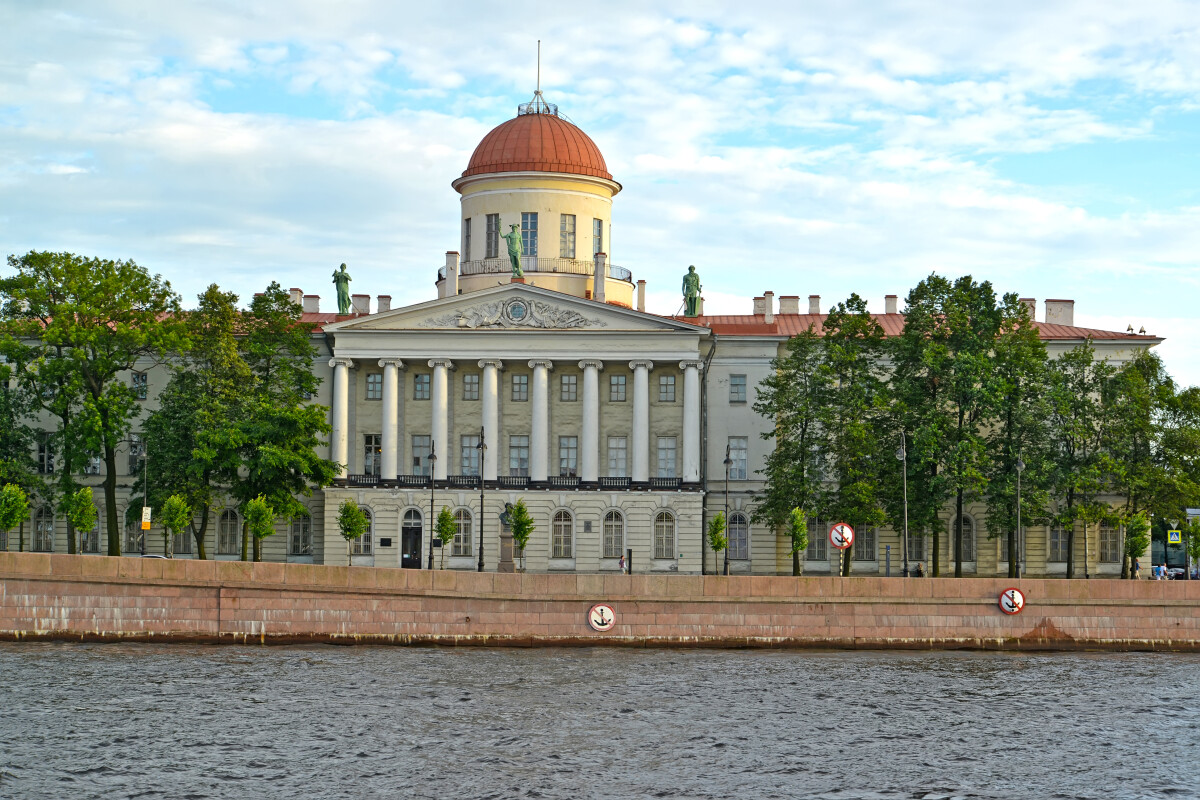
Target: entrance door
column 410, row 540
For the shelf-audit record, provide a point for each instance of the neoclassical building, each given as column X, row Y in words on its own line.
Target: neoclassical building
column 621, row 430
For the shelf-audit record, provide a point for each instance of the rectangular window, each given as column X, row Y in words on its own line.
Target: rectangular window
column 529, row 230
column 737, row 388
column 140, row 385
column 616, row 388
column 92, row 467
column 570, row 388
column 421, row 386
column 518, row 456
column 421, row 445
column 1058, row 544
column 469, row 454
column 466, row 253
column 737, row 457
column 566, row 236
column 597, row 236
column 618, row 461
column 89, row 541
column 45, row 454
column 568, row 456
column 666, row 388
column 374, row 386
column 520, row 388
column 135, row 454
column 1110, row 544
column 372, row 453
column 461, row 544
column 300, row 536
column 916, row 550
column 229, row 534
column 864, row 545
column 492, row 238
column 470, row 387
column 181, row 543
column 818, row 543
column 666, row 457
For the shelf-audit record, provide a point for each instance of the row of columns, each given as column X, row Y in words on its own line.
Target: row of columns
column 539, row 434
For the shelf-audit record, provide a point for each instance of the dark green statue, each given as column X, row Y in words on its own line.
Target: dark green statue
column 341, row 279
column 691, row 293
column 513, row 237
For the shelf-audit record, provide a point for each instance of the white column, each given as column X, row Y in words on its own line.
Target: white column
column 691, row 420
column 391, row 416
column 339, row 438
column 539, row 433
column 641, row 420
column 440, row 407
column 491, row 415
column 589, row 451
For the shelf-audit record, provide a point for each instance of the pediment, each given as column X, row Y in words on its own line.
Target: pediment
column 512, row 308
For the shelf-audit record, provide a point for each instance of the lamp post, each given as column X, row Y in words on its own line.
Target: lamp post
column 1019, row 537
column 728, row 463
column 902, row 456
column 431, row 460
column 482, row 448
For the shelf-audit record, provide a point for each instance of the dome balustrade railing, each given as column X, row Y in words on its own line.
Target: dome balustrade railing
column 568, row 266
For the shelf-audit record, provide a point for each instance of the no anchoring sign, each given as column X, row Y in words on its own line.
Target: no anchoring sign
column 1012, row 601
column 602, row 618
column 841, row 535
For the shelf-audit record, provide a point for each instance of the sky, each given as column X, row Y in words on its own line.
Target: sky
column 1051, row 148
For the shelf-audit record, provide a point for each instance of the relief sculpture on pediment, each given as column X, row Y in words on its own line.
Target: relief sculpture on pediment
column 514, row 313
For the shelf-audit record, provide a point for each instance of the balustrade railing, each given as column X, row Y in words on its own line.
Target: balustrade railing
column 568, row 266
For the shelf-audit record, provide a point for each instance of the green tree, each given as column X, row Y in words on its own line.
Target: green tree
column 80, row 511
column 14, row 507
column 17, row 438
column 1137, row 536
column 260, row 521
column 793, row 398
column 716, row 536
column 175, row 516
column 107, row 317
column 521, row 526
column 797, row 531
column 446, row 528
column 352, row 523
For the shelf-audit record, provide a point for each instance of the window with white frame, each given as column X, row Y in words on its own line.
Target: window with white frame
column 666, row 457
column 1110, row 543
column 364, row 545
column 43, row 530
column 529, row 233
column 737, row 388
column 466, row 255
column 569, row 388
column 461, row 545
column 739, row 537
column 968, row 537
column 864, row 545
column 135, row 537
column 492, row 236
column 566, row 236
column 917, row 549
column 3, row 541
column 618, row 457
column 181, row 543
column 520, row 388
column 1058, row 543
column 518, row 456
column 614, row 535
column 140, row 384
column 563, row 544
column 411, row 526
column 422, row 446
column 818, row 542
column 421, row 386
column 229, row 534
column 89, row 540
column 468, row 447
column 568, row 456
column 664, row 535
column 374, row 386
column 300, row 536
column 372, row 453
column 616, row 388
column 738, row 446
column 666, row 388
column 45, row 454
column 470, row 387
column 597, row 236
column 93, row 465
column 137, row 452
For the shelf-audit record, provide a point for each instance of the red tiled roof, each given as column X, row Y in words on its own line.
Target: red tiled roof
column 538, row 143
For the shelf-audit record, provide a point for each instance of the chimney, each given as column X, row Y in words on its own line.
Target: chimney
column 312, row 304
column 641, row 298
column 789, row 304
column 889, row 304
column 296, row 296
column 769, row 307
column 814, row 304
column 1060, row 312
column 360, row 304
column 450, row 287
column 1031, row 304
column 601, row 272
column 383, row 303
column 760, row 306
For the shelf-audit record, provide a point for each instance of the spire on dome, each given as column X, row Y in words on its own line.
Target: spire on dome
column 538, row 104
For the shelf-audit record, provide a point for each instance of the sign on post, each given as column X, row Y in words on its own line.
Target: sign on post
column 841, row 535
column 145, row 518
column 601, row 617
column 1012, row 601
column 1174, row 537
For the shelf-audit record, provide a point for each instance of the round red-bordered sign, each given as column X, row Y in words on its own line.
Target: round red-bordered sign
column 841, row 535
column 602, row 618
column 1012, row 601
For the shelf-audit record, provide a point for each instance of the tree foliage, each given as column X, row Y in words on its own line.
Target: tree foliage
column 352, row 522
column 260, row 522
column 446, row 528
column 521, row 526
column 14, row 506
column 175, row 516
column 716, row 536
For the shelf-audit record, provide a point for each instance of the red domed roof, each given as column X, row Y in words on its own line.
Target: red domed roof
column 538, row 143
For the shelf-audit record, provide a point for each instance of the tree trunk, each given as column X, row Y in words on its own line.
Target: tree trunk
column 70, row 538
column 257, row 549
column 1071, row 536
column 200, row 534
column 112, row 523
column 958, row 533
column 1086, row 573
column 21, row 538
column 846, row 559
column 245, row 541
column 796, row 563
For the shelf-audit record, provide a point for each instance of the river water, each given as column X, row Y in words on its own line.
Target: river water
column 178, row 721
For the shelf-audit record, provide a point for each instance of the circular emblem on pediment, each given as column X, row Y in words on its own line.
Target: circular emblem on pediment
column 516, row 311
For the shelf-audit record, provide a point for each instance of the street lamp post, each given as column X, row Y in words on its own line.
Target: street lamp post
column 431, row 460
column 482, row 448
column 728, row 463
column 902, row 455
column 1020, row 543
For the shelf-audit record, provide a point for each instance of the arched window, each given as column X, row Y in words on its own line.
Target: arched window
column 968, row 540
column 563, row 543
column 363, row 544
column 300, row 536
column 1110, row 544
column 864, row 545
column 229, row 534
column 43, row 530
column 89, row 541
column 739, row 537
column 818, row 542
column 412, row 522
column 614, row 534
column 664, row 535
column 462, row 538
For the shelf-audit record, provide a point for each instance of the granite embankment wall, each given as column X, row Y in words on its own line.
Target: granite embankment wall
column 100, row 598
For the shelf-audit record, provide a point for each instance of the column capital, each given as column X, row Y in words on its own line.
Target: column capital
column 591, row 362
column 338, row 361
column 692, row 364
column 643, row 363
column 541, row 362
column 391, row 362
column 484, row 363
column 441, row 362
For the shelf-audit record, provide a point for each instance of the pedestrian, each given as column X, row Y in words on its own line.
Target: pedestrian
column 1137, row 570
column 920, row 570
column 622, row 562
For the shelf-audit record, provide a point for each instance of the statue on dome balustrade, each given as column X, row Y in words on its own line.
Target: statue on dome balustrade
column 341, row 279
column 691, row 293
column 513, row 237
